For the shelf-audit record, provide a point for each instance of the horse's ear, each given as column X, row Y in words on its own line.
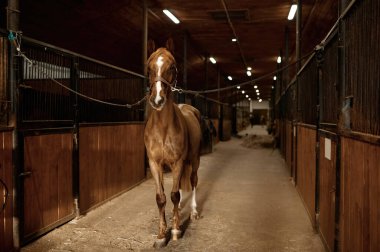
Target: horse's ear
column 151, row 47
column 170, row 45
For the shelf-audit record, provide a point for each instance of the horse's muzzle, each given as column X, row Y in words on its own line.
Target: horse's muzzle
column 157, row 104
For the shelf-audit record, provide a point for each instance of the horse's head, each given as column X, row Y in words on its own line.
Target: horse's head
column 162, row 73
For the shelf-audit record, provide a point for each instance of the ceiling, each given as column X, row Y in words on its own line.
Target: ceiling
column 111, row 31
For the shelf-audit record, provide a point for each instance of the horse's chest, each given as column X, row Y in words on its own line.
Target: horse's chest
column 166, row 147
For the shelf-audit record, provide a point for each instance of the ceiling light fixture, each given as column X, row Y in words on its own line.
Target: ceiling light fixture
column 234, row 40
column 229, row 77
column 257, row 91
column 249, row 73
column 275, row 77
column 260, row 100
column 171, row 16
column 292, row 11
column 213, row 61
column 238, row 87
column 247, row 96
column 279, row 59
column 243, row 92
column 249, row 68
column 255, row 86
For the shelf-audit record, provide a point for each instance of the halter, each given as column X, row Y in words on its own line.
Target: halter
column 159, row 78
column 173, row 84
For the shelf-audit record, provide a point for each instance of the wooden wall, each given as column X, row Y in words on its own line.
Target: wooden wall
column 111, row 160
column 306, row 168
column 327, row 188
column 6, row 174
column 288, row 145
column 226, row 130
column 360, row 196
column 48, row 196
column 215, row 121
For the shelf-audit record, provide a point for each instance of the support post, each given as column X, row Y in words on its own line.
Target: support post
column 74, row 81
column 13, row 24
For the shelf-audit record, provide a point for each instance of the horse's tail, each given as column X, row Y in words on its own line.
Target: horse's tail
column 185, row 183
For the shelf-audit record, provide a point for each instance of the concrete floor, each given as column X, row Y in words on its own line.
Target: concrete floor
column 245, row 198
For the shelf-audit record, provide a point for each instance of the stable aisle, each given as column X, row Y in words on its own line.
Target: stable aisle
column 245, row 199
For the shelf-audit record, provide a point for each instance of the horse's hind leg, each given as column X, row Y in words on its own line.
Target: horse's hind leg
column 161, row 202
column 194, row 182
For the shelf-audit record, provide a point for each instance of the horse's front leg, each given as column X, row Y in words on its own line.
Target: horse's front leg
column 157, row 173
column 175, row 196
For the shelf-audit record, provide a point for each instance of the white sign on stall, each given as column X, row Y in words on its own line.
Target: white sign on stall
column 328, row 148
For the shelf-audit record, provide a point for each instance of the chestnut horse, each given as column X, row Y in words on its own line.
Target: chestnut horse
column 172, row 138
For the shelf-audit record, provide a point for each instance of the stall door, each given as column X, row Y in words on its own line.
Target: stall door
column 48, row 182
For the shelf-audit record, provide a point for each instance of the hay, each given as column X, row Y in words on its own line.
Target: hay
column 258, row 141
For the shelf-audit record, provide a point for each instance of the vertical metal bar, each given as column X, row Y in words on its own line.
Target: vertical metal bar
column 299, row 34
column 319, row 58
column 145, row 49
column 341, row 95
column 218, row 81
column 185, row 38
column 74, row 84
column 145, row 38
column 287, row 54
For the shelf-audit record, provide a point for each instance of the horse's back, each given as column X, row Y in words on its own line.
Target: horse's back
column 192, row 117
column 188, row 110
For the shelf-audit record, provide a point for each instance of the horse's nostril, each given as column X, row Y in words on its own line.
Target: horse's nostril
column 158, row 100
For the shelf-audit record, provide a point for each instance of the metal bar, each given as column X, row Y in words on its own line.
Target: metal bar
column 184, row 80
column 343, row 15
column 299, row 34
column 145, row 38
column 36, row 42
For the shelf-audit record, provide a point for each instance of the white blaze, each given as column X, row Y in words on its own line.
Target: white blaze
column 159, row 64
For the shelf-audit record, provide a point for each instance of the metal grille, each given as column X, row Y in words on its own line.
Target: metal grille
column 201, row 104
column 4, row 103
column 290, row 103
column 42, row 100
column 307, row 93
column 329, row 89
column 109, row 85
column 362, row 49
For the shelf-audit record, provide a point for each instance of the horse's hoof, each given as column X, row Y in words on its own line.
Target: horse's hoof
column 194, row 215
column 160, row 243
column 176, row 234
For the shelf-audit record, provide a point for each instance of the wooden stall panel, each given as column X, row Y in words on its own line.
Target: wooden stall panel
column 215, row 122
column 360, row 196
column 111, row 161
column 327, row 189
column 226, row 130
column 306, row 168
column 288, row 145
column 48, row 196
column 6, row 215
